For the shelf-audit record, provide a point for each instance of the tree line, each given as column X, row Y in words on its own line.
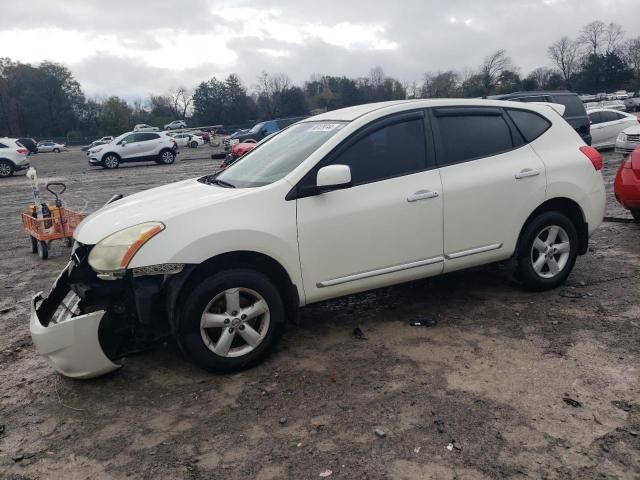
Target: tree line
column 46, row 100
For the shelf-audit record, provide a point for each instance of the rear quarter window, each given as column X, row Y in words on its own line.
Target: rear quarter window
column 530, row 124
column 575, row 107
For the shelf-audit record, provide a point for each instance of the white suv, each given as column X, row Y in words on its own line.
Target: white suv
column 134, row 147
column 343, row 202
column 13, row 157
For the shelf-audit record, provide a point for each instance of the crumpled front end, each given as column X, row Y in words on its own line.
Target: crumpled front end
column 71, row 344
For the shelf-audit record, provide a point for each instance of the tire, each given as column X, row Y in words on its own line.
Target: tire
column 68, row 242
column 6, row 168
column 544, row 264
column 56, row 150
column 166, row 157
column 43, row 250
column 34, row 244
column 194, row 144
column 244, row 287
column 635, row 213
column 110, row 161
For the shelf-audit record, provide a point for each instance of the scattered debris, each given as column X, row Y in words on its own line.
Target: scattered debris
column 570, row 401
column 380, row 432
column 424, row 321
column 595, row 419
column 299, row 445
column 571, row 292
column 450, row 447
column 18, row 457
column 1, row 429
column 439, row 425
column 622, row 405
column 359, row 334
column 282, row 421
column 554, row 322
column 417, row 450
column 325, row 473
column 6, row 309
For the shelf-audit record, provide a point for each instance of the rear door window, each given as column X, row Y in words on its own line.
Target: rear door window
column 595, row 118
column 574, row 106
column 530, row 124
column 468, row 136
column 609, row 117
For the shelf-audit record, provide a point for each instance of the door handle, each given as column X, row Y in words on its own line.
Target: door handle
column 527, row 172
column 422, row 195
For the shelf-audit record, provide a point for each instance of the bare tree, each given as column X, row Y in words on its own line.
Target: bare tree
column 614, row 36
column 541, row 76
column 493, row 66
column 564, row 54
column 632, row 55
column 376, row 76
column 180, row 99
column 593, row 35
column 270, row 85
column 441, row 85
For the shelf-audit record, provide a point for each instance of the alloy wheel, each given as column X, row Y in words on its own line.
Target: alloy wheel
column 111, row 161
column 167, row 157
column 235, row 322
column 550, row 251
column 5, row 169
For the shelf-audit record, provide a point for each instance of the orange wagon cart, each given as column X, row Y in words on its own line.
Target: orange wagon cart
column 59, row 223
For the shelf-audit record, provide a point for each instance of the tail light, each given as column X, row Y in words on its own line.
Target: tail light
column 22, row 151
column 593, row 155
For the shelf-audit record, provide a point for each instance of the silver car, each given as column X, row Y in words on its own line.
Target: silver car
column 46, row 146
column 628, row 140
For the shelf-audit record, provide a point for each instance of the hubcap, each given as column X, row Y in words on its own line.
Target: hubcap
column 550, row 251
column 110, row 161
column 235, row 322
column 5, row 170
column 167, row 157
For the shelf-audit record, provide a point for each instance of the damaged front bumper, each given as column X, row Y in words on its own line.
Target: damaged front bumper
column 69, row 342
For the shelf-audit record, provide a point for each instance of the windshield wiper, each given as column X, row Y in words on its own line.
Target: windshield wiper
column 222, row 183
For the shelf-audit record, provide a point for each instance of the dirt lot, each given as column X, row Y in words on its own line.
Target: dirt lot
column 508, row 384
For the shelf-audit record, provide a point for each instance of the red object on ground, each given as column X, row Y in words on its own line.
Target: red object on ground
column 627, row 184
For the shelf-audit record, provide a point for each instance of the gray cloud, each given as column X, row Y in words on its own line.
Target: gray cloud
column 425, row 37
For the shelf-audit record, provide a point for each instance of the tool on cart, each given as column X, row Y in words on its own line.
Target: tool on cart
column 44, row 222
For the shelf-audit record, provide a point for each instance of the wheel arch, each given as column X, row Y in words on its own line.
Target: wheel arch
column 180, row 285
column 9, row 160
column 110, row 153
column 572, row 210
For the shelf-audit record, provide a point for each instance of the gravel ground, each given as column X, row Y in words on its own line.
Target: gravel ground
column 508, row 384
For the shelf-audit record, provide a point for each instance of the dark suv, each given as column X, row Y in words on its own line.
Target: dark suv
column 260, row 131
column 575, row 112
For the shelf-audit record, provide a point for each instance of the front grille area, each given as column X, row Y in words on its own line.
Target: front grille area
column 635, row 138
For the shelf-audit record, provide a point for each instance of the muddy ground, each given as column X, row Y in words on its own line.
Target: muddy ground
column 508, row 384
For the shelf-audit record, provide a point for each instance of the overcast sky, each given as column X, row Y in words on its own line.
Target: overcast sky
column 132, row 48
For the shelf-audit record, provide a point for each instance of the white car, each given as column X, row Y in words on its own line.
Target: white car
column 606, row 125
column 143, row 127
column 46, row 146
column 175, row 125
column 187, row 140
column 628, row 140
column 621, row 95
column 343, row 202
column 13, row 157
column 134, row 147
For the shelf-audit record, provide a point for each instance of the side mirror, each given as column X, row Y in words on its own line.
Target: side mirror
column 333, row 177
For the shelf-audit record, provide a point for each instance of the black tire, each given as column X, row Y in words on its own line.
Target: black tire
column 6, row 168
column 194, row 144
column 56, row 150
column 527, row 257
column 166, row 157
column 34, row 244
column 110, row 161
column 43, row 250
column 190, row 337
column 635, row 213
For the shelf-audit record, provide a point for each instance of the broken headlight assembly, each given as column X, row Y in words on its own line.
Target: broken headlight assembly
column 112, row 254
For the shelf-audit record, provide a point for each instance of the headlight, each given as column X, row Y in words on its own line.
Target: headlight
column 622, row 137
column 96, row 150
column 114, row 253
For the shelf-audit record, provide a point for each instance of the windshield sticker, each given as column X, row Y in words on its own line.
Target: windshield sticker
column 324, row 127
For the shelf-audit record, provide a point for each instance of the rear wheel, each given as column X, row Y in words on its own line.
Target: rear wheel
column 194, row 144
column 547, row 251
column 635, row 213
column 231, row 320
column 167, row 157
column 56, row 150
column 6, row 168
column 111, row 161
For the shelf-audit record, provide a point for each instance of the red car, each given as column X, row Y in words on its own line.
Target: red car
column 237, row 150
column 627, row 184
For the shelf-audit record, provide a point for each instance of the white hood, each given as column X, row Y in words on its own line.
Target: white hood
column 156, row 204
column 635, row 130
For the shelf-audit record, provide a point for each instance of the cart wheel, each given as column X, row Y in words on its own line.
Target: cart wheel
column 34, row 244
column 43, row 250
column 68, row 242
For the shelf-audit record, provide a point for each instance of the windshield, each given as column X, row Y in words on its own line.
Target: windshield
column 275, row 158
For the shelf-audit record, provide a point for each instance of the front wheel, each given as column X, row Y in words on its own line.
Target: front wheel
column 231, row 320
column 111, row 161
column 635, row 213
column 547, row 251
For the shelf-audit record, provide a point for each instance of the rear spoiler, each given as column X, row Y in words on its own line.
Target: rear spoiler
column 557, row 107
